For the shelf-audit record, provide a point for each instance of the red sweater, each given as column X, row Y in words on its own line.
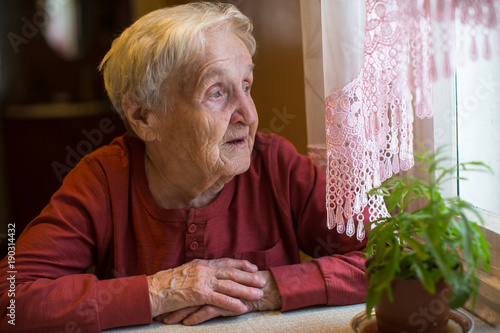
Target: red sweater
column 105, row 216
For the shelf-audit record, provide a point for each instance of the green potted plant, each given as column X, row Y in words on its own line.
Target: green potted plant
column 434, row 253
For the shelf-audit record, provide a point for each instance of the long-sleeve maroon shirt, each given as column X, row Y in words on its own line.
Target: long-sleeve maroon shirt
column 105, row 216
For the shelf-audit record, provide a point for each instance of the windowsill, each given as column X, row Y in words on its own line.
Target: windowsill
column 487, row 305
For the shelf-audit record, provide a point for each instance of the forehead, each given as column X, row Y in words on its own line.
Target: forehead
column 224, row 55
column 224, row 51
column 220, row 44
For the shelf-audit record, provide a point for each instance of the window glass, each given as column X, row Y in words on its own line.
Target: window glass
column 478, row 130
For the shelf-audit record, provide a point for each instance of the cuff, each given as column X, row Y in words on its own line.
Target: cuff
column 300, row 285
column 345, row 278
column 124, row 302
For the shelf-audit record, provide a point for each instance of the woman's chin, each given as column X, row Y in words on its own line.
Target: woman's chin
column 237, row 166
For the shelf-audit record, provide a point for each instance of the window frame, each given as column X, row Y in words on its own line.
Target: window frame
column 445, row 131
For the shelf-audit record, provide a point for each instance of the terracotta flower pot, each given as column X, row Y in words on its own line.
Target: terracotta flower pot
column 414, row 310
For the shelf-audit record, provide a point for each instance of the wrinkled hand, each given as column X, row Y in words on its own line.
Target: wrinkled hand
column 222, row 283
column 271, row 300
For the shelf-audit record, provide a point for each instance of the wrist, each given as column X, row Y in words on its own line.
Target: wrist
column 151, row 288
column 272, row 296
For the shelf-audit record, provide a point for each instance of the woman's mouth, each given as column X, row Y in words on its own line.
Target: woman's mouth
column 236, row 142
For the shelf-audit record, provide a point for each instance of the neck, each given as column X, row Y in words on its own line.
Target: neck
column 175, row 188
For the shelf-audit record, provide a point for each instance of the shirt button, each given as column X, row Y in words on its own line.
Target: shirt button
column 194, row 245
column 192, row 228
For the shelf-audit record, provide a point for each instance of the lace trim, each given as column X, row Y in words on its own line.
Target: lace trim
column 369, row 123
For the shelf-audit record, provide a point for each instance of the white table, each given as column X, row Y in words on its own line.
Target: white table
column 309, row 320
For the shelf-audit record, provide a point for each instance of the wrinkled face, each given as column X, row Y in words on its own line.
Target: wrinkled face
column 212, row 123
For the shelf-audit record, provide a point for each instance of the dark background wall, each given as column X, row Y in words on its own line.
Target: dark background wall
column 54, row 110
column 47, row 100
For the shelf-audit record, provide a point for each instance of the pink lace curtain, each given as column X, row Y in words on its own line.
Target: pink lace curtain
column 369, row 122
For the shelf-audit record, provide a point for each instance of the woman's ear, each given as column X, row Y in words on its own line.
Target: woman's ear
column 139, row 118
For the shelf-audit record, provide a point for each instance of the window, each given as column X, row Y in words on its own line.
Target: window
column 467, row 119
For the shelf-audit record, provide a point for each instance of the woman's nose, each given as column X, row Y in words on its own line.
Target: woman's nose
column 244, row 110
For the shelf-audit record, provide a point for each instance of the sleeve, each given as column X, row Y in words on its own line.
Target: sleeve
column 47, row 288
column 336, row 275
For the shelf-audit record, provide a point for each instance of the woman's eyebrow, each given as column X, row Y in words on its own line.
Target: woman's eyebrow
column 250, row 68
column 209, row 73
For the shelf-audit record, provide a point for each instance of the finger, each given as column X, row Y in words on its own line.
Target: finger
column 179, row 315
column 234, row 289
column 241, row 277
column 207, row 312
column 160, row 317
column 226, row 302
column 243, row 265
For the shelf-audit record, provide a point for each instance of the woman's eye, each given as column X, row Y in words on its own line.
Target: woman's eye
column 246, row 89
column 217, row 94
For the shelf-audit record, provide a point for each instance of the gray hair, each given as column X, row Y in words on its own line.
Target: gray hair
column 162, row 43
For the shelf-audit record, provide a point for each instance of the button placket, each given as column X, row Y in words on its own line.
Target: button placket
column 194, row 236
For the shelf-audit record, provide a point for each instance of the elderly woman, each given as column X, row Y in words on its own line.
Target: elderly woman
column 190, row 215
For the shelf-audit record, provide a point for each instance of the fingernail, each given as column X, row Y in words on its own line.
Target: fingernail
column 186, row 322
column 189, row 321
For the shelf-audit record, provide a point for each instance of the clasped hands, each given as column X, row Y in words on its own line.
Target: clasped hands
column 204, row 289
